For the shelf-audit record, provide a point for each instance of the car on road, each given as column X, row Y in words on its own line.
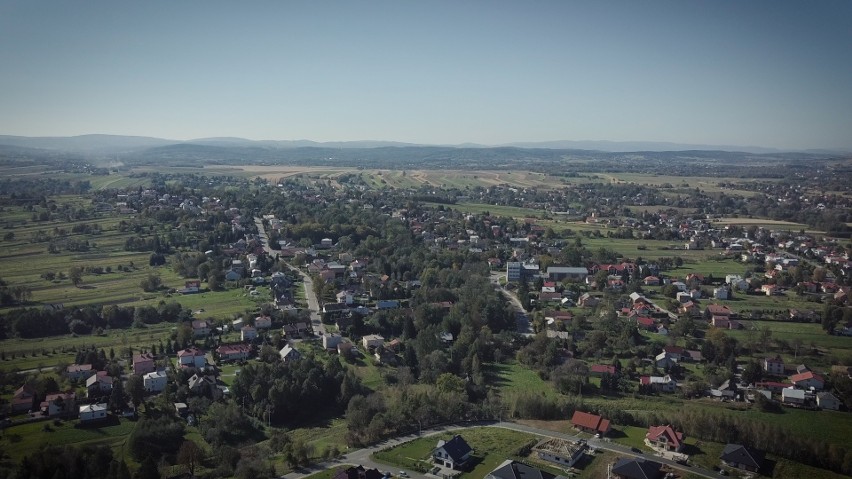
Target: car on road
column 636, row 450
column 403, row 474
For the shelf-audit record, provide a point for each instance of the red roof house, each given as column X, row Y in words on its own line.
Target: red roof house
column 665, row 437
column 591, row 423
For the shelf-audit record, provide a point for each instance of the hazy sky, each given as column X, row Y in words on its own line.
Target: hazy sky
column 768, row 73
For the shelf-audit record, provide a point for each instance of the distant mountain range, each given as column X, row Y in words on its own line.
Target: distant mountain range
column 117, row 144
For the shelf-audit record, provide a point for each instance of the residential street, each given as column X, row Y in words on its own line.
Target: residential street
column 362, row 456
column 313, row 303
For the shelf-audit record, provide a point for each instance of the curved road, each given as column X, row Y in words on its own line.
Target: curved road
column 313, row 303
column 363, row 456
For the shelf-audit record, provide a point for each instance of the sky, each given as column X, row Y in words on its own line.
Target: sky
column 753, row 73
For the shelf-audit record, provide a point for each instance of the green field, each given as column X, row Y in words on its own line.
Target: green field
column 19, row 440
column 515, row 377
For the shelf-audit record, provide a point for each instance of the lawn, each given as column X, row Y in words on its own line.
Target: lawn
column 512, row 376
column 629, row 436
column 491, row 447
column 19, row 440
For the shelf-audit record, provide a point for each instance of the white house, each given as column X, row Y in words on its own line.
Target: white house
column 372, row 340
column 93, row 412
column 330, row 341
column 774, row 366
column 288, row 353
column 793, row 396
column 155, row 382
column 191, row 358
column 722, row 292
column 98, row 385
column 826, row 400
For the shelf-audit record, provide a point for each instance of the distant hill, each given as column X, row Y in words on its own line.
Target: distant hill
column 85, row 143
column 631, row 146
column 119, row 143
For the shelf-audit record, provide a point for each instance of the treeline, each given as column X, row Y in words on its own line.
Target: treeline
column 69, row 462
column 44, row 322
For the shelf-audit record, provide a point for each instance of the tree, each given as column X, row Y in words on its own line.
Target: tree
column 190, row 455
column 151, row 283
column 148, row 469
column 75, row 274
column 136, row 389
column 449, row 383
column 752, row 372
column 117, row 398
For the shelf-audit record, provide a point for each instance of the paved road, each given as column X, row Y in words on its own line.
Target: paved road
column 362, row 456
column 313, row 303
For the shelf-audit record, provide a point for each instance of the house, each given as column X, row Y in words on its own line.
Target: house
column 646, row 323
column 772, row 386
column 587, row 301
column 793, row 396
column 517, row 470
column 263, row 322
column 155, row 381
column 774, row 366
column 92, row 412
column 826, row 400
column 143, row 363
column 560, row 451
column 717, row 310
column 78, row 372
column 191, row 358
column 590, row 423
column 59, row 404
column 295, row 329
column 199, row 384
column 200, row 328
column 233, row 275
column 372, row 341
column 769, row 289
column 98, row 385
column 722, row 292
column 808, row 380
column 23, row 399
column 330, row 341
column 191, row 287
column 601, row 369
column 665, row 437
column 453, row 454
column 248, row 333
column 387, row 304
column 234, row 352
column 628, row 468
column 741, row 457
column 659, row 383
column 288, row 353
column 358, row 472
column 559, row 273
column 651, row 281
column 724, row 322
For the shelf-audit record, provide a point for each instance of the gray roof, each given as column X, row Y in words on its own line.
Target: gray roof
column 739, row 454
column 637, row 469
column 519, row 470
